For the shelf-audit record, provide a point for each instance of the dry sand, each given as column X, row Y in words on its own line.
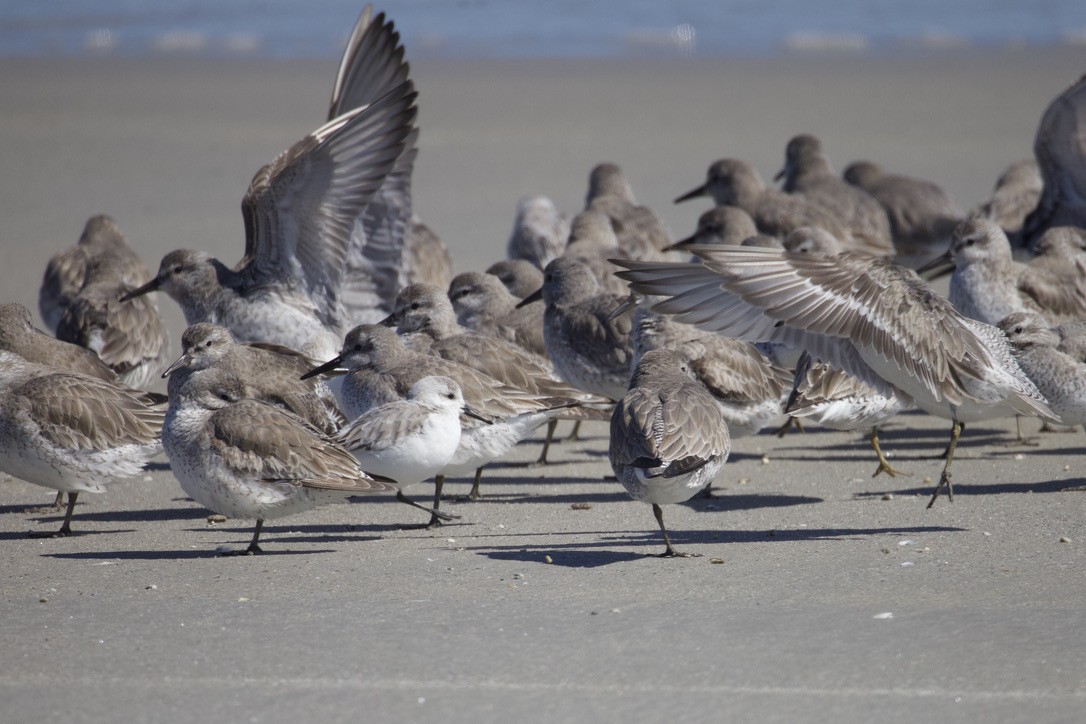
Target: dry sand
column 347, row 618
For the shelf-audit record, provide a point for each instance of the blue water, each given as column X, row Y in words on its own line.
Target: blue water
column 522, row 28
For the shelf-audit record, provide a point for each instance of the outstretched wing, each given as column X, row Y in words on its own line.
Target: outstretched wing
column 300, row 208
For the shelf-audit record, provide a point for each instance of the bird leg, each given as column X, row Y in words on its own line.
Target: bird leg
column 669, row 552
column 788, row 425
column 575, row 434
column 58, row 502
column 66, row 526
column 475, row 494
column 954, row 442
column 253, row 548
column 944, row 479
column 551, row 425
column 884, row 464
column 1019, row 438
column 436, row 517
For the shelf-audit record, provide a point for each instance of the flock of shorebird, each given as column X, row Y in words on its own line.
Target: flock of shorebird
column 340, row 356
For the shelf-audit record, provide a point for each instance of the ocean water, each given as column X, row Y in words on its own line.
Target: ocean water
column 522, row 28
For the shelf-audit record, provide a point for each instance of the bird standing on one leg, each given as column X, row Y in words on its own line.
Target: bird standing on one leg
column 668, row 439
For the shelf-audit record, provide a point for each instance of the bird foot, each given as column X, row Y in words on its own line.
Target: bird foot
column 885, row 467
column 672, row 553
column 437, row 520
column 62, row 533
column 944, row 481
column 250, row 551
column 1048, row 427
column 788, row 425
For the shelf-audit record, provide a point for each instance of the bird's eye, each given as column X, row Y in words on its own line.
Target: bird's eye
column 1018, row 330
column 207, row 343
column 224, row 397
column 450, row 395
column 969, row 242
column 177, row 269
column 414, row 305
column 358, row 348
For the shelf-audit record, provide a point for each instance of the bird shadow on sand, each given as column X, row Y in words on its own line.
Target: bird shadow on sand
column 274, row 540
column 724, row 502
column 183, row 554
column 1051, row 486
column 901, row 444
column 31, row 509
column 45, row 533
column 650, row 543
column 146, row 515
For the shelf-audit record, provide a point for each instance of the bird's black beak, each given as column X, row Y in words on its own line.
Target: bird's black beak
column 533, row 297
column 937, row 267
column 692, row 194
column 151, row 286
column 328, row 366
column 627, row 304
column 390, row 321
column 681, row 243
column 180, row 362
column 472, row 412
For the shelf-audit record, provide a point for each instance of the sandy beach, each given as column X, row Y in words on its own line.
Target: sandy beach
column 822, row 594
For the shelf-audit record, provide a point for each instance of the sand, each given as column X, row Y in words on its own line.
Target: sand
column 836, row 598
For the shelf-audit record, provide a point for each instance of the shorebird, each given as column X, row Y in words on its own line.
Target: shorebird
column 483, row 304
column 18, row 335
column 539, row 232
column 425, row 319
column 65, row 272
column 865, row 315
column 811, row 240
column 732, row 182
column 835, row 399
column 520, row 277
column 988, row 284
column 922, row 215
column 1016, row 193
column 299, row 212
column 1061, row 158
column 271, row 373
column 719, row 225
column 71, row 432
column 1072, row 339
column 410, row 440
column 749, row 388
column 638, row 229
column 247, row 459
column 593, row 243
column 668, row 440
column 429, row 260
column 807, row 170
column 381, row 369
column 1060, row 254
column 589, row 349
column 1060, row 377
column 129, row 337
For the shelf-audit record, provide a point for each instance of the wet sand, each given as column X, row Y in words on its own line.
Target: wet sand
column 347, row 617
